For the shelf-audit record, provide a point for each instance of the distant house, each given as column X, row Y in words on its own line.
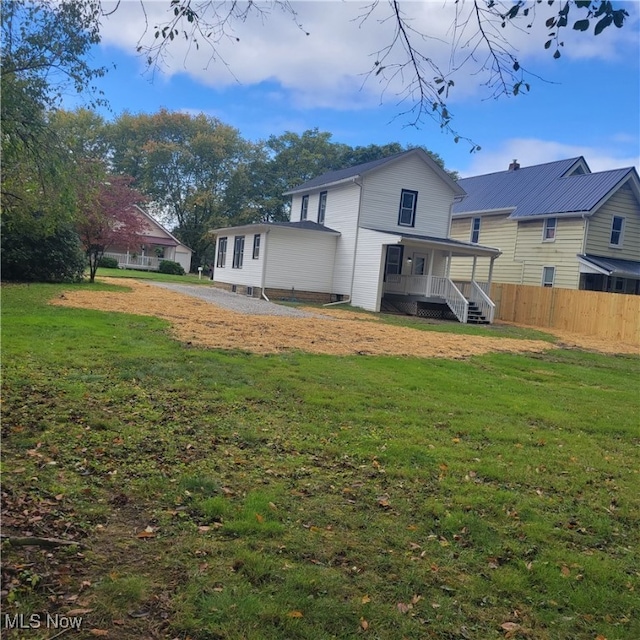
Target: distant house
column 156, row 244
column 375, row 235
column 557, row 225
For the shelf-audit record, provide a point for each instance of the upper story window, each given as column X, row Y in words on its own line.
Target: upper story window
column 238, row 251
column 475, row 230
column 256, row 246
column 617, row 230
column 322, row 207
column 549, row 231
column 222, row 252
column 408, row 201
column 304, row 208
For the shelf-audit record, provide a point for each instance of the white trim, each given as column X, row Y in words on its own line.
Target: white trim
column 546, row 228
column 553, row 279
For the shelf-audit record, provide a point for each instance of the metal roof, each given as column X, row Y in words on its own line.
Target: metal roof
column 541, row 190
column 342, row 175
column 615, row 266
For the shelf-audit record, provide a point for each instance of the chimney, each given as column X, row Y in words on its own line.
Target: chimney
column 514, row 166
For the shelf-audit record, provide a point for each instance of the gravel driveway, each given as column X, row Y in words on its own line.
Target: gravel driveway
column 235, row 301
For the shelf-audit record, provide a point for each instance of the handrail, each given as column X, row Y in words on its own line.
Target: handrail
column 456, row 301
column 483, row 301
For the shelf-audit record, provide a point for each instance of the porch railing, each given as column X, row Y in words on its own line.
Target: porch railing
column 483, row 301
column 478, row 293
column 130, row 261
column 430, row 287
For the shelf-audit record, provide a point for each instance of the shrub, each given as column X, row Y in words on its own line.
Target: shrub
column 168, row 266
column 28, row 256
column 108, row 263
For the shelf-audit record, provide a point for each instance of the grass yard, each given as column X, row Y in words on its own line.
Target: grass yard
column 225, row 495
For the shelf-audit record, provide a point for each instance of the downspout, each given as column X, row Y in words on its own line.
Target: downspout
column 264, row 265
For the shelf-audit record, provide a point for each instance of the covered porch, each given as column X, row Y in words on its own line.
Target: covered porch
column 417, row 280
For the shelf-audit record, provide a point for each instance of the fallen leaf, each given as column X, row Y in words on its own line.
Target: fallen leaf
column 403, row 608
column 364, row 624
column 77, row 612
column 147, row 533
column 99, row 632
column 295, row 614
column 365, row 599
column 259, row 518
column 565, row 570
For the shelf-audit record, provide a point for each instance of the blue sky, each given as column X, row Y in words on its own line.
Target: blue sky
column 276, row 78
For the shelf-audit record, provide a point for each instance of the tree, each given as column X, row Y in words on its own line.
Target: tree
column 107, row 215
column 188, row 166
column 43, row 54
column 479, row 43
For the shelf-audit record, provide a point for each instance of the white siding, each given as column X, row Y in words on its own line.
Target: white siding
column 624, row 204
column 183, row 258
column 381, row 198
column 301, row 260
column 250, row 274
column 367, row 279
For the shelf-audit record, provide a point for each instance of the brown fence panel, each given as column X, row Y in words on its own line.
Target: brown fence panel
column 606, row 315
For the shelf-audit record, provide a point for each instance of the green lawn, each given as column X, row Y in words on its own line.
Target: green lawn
column 227, row 495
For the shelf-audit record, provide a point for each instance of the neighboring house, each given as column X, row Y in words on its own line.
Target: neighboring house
column 375, row 235
column 156, row 245
column 557, row 225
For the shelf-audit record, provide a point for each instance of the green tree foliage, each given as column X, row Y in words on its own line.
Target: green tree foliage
column 43, row 54
column 29, row 256
column 191, row 167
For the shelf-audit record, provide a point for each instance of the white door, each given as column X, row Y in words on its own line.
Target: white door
column 420, row 264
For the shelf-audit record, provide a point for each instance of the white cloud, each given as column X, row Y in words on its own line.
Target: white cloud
column 530, row 151
column 328, row 67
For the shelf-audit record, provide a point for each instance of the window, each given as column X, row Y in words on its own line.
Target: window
column 238, row 250
column 222, row 252
column 322, row 207
column 549, row 231
column 617, row 228
column 394, row 260
column 256, row 247
column 475, row 230
column 304, row 208
column 408, row 200
column 548, row 275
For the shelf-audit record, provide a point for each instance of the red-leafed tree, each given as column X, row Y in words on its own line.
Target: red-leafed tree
column 108, row 216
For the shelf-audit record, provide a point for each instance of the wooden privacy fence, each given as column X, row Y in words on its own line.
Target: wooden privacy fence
column 611, row 316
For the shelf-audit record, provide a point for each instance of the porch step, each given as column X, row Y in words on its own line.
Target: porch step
column 474, row 315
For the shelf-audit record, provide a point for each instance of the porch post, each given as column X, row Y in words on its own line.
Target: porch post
column 430, row 274
column 490, row 274
column 449, row 264
column 473, row 270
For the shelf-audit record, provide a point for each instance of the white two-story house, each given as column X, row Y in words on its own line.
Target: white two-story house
column 375, row 235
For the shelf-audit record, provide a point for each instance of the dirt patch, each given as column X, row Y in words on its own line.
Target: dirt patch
column 341, row 333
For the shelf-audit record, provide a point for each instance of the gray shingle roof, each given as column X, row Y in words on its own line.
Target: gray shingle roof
column 540, row 190
column 333, row 177
column 307, row 225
